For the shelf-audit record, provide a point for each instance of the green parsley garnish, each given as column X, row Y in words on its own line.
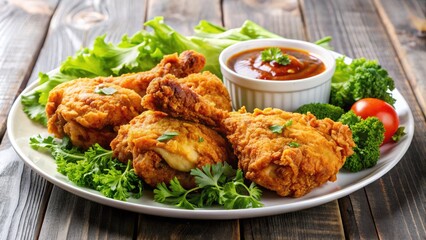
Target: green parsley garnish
column 275, row 54
column 105, row 90
column 200, row 139
column 280, row 128
column 294, row 144
column 400, row 132
column 94, row 168
column 216, row 184
column 167, row 136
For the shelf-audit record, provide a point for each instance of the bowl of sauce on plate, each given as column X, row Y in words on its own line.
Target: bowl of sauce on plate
column 292, row 74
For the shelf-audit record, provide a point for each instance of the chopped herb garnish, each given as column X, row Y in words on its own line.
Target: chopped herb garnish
column 275, row 54
column 280, row 128
column 105, row 90
column 167, row 136
column 276, row 128
column 293, row 144
column 200, row 139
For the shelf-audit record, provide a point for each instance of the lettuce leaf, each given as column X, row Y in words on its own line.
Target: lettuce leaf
column 140, row 52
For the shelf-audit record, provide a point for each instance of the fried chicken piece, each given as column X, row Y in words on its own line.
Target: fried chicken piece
column 188, row 145
column 84, row 110
column 200, row 98
column 186, row 63
column 307, row 153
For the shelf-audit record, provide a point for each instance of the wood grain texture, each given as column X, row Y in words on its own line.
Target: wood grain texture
column 32, row 201
column 72, row 217
column 396, row 202
column 77, row 23
column 22, row 31
column 171, row 228
column 74, row 25
column 321, row 222
column 357, row 217
column 184, row 15
column 278, row 16
column 23, row 27
column 405, row 22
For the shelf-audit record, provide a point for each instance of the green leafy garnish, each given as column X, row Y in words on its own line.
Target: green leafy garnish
column 94, row 168
column 105, row 90
column 167, row 136
column 280, row 128
column 200, row 139
column 400, row 132
column 360, row 79
column 216, row 184
column 275, row 54
column 294, row 144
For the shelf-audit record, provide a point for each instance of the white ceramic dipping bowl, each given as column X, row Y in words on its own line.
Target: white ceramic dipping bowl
column 287, row 95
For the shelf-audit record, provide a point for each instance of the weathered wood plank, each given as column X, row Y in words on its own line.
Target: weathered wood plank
column 172, row 228
column 356, row 216
column 396, row 202
column 23, row 27
column 71, row 217
column 316, row 223
column 405, row 23
column 75, row 24
column 183, row 15
column 22, row 31
column 281, row 17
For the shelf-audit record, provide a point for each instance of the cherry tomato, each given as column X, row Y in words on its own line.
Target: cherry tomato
column 369, row 107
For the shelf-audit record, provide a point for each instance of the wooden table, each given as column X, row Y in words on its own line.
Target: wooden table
column 37, row 35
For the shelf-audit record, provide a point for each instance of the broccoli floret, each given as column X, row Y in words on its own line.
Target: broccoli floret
column 360, row 79
column 368, row 135
column 322, row 110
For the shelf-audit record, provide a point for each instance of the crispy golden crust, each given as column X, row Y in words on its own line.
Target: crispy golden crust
column 186, row 63
column 210, row 87
column 270, row 160
column 195, row 146
column 200, row 98
column 75, row 109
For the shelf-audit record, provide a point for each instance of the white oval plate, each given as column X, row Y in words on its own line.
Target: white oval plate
column 21, row 128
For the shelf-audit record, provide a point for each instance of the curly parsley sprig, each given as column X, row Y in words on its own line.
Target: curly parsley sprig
column 95, row 168
column 275, row 54
column 216, row 184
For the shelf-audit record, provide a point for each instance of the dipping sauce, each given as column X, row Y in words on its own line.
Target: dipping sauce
column 302, row 65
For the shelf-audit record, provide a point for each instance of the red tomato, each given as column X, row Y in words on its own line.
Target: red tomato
column 369, row 107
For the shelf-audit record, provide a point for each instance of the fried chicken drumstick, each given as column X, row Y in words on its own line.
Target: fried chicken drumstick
column 288, row 153
column 200, row 97
column 186, row 145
